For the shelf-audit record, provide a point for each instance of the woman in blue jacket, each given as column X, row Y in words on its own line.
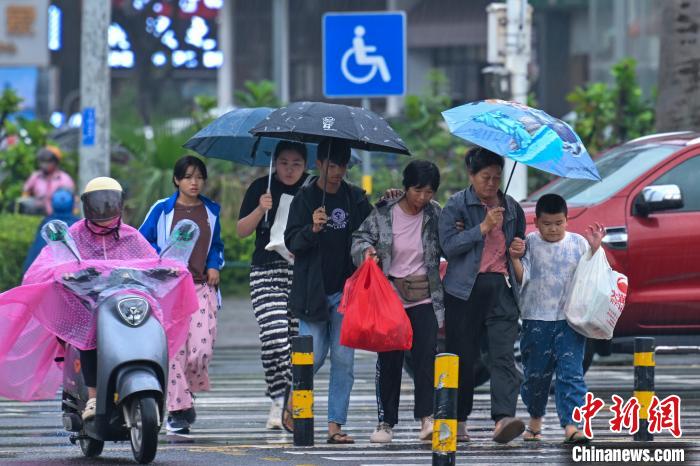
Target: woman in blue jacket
column 188, row 372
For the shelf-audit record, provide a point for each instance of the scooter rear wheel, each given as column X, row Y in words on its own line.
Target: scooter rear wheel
column 145, row 428
column 91, row 447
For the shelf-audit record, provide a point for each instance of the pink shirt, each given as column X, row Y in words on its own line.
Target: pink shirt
column 407, row 247
column 493, row 258
column 42, row 186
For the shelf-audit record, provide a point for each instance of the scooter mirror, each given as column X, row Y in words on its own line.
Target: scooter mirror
column 181, row 241
column 58, row 238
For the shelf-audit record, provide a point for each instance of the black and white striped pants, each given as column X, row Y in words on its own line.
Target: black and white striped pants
column 270, row 285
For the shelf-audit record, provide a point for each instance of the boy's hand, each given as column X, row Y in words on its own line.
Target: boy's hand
column 517, row 248
column 392, row 193
column 594, row 235
column 320, row 219
column 459, row 225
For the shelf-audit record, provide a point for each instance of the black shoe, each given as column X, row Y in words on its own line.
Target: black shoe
column 189, row 415
column 177, row 423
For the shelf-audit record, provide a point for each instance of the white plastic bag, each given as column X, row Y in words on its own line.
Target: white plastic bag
column 277, row 231
column 597, row 297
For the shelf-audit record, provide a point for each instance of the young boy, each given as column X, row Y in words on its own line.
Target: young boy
column 545, row 268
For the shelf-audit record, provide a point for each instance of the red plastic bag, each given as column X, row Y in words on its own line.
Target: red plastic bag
column 375, row 319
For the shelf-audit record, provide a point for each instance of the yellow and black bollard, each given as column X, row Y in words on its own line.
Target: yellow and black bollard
column 644, row 384
column 303, row 390
column 445, row 409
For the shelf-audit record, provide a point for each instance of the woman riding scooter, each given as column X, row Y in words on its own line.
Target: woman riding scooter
column 35, row 312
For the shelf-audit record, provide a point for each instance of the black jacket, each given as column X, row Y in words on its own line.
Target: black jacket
column 307, row 299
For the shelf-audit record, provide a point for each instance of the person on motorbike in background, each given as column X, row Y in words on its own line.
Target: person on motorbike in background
column 102, row 235
column 43, row 183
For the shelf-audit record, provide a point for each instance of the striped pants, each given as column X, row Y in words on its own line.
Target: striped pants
column 270, row 285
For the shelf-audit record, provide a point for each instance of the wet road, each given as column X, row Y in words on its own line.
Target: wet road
column 230, row 427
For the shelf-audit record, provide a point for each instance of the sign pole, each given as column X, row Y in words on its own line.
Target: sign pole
column 366, row 158
column 94, row 90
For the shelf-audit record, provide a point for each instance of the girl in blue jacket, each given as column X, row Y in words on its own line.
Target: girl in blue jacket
column 188, row 372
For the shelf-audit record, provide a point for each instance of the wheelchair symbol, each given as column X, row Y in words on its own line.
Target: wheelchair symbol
column 360, row 50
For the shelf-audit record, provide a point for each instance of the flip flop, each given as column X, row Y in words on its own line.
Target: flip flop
column 535, row 435
column 287, row 417
column 510, row 429
column 576, row 438
column 340, row 438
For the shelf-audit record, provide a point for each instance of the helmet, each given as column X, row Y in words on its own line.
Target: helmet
column 62, row 201
column 49, row 154
column 102, row 199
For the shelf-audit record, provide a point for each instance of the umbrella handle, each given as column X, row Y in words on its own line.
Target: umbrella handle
column 512, row 171
column 266, row 224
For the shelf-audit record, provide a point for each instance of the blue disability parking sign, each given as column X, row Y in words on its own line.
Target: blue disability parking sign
column 364, row 54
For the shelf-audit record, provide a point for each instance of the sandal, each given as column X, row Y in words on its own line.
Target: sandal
column 576, row 438
column 509, row 429
column 340, row 438
column 535, row 435
column 287, row 417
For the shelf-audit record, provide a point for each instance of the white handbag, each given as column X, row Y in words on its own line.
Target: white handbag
column 597, row 297
column 277, row 231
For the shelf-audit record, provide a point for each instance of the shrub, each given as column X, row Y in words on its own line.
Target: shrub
column 16, row 235
column 239, row 254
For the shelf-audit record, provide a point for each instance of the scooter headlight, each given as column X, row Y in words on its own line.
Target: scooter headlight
column 133, row 310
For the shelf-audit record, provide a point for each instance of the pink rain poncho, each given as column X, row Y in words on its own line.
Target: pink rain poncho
column 34, row 314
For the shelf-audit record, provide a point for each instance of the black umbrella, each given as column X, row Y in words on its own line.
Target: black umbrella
column 316, row 121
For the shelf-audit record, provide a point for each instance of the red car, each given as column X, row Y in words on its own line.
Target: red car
column 649, row 202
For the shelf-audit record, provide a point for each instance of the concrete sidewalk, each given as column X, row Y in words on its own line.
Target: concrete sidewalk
column 237, row 326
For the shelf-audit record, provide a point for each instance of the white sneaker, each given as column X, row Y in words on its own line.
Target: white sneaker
column 426, row 428
column 274, row 419
column 382, row 434
column 90, row 409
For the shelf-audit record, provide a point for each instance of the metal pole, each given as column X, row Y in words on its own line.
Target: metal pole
column 366, row 158
column 280, row 44
column 94, row 90
column 445, row 409
column 225, row 82
column 644, row 364
column 303, row 390
column 518, row 48
column 394, row 102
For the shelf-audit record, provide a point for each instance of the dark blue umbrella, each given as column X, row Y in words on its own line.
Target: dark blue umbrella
column 228, row 138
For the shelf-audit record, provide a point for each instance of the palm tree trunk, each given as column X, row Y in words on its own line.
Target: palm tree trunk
column 678, row 102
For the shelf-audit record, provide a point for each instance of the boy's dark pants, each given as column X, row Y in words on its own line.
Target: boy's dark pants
column 390, row 365
column 549, row 346
column 491, row 313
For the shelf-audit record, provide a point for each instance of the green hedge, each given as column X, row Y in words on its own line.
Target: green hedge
column 16, row 235
column 239, row 254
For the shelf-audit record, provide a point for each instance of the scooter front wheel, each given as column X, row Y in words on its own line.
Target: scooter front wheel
column 144, row 428
column 91, row 447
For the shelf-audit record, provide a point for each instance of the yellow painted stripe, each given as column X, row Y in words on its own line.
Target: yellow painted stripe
column 445, row 435
column 644, row 359
column 447, row 371
column 302, row 359
column 644, row 399
column 302, row 404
